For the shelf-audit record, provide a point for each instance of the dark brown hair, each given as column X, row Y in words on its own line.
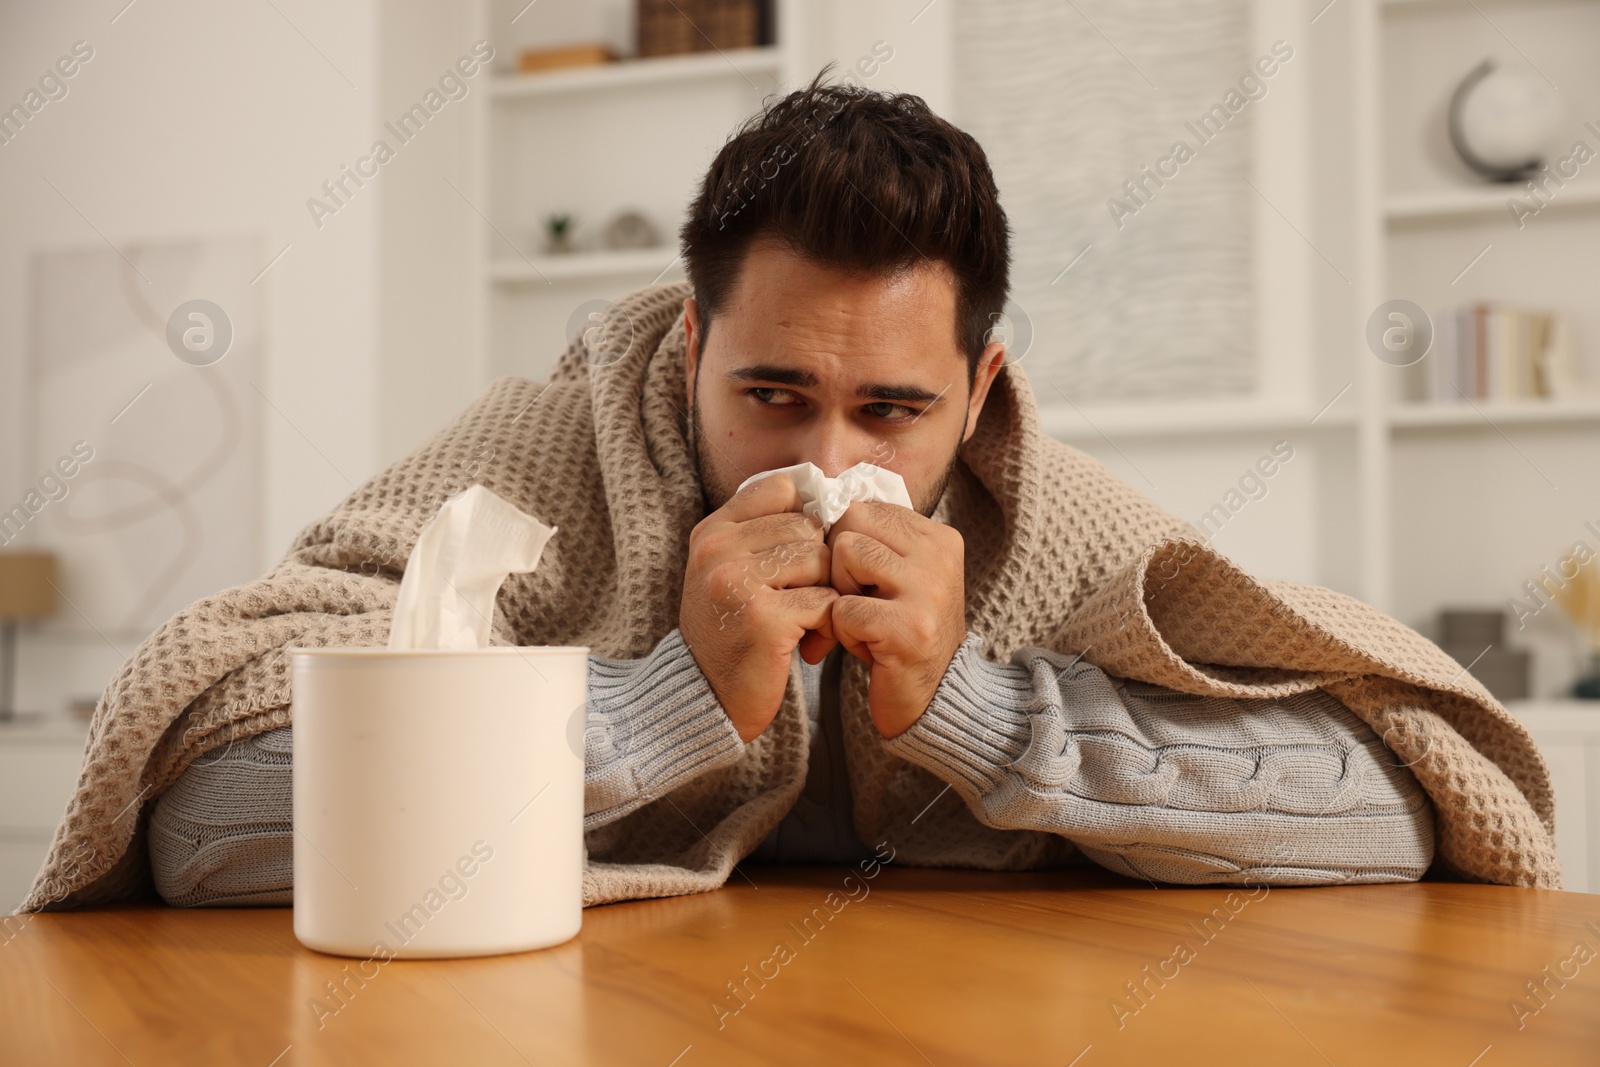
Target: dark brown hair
column 856, row 180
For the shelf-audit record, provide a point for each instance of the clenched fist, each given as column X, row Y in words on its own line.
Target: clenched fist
column 902, row 605
column 756, row 585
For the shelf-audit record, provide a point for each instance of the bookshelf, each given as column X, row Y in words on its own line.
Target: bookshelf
column 1468, row 498
column 1409, row 506
column 631, row 134
column 1412, row 506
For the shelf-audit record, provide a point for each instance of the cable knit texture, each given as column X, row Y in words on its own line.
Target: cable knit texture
column 1289, row 791
column 223, row 833
column 1061, row 555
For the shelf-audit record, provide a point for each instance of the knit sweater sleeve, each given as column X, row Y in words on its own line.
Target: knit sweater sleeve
column 223, row 833
column 652, row 725
column 1168, row 786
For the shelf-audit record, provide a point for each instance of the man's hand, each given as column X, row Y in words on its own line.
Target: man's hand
column 755, row 586
column 902, row 604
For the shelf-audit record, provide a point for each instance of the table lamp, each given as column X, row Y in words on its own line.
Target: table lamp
column 27, row 591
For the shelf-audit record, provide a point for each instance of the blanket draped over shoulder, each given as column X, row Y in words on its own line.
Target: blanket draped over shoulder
column 1060, row 554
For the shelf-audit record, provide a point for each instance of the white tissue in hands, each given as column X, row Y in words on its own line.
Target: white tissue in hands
column 454, row 572
column 827, row 498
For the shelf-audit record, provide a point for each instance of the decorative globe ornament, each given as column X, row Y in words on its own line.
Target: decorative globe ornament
column 631, row 229
column 1501, row 121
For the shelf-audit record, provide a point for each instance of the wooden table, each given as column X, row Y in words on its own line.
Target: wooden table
column 911, row 967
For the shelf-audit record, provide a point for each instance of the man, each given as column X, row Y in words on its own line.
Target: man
column 847, row 253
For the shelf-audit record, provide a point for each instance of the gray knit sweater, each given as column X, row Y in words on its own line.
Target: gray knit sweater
column 1146, row 781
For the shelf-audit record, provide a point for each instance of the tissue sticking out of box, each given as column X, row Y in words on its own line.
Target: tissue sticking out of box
column 827, row 498
column 454, row 572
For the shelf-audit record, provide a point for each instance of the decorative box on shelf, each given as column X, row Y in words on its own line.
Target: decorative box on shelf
column 535, row 60
column 673, row 27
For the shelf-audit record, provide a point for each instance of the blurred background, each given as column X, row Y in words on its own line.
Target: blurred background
column 1320, row 277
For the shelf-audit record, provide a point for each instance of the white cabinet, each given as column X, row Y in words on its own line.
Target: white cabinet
column 1568, row 734
column 39, row 761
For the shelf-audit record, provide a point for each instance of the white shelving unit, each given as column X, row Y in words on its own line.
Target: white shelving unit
column 1410, row 507
column 636, row 133
column 1468, row 499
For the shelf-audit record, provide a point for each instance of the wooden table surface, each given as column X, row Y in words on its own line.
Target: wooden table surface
column 910, row 967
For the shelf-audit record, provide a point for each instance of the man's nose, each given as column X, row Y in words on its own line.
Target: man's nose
column 836, row 448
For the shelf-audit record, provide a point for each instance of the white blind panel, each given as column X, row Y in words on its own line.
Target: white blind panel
column 1073, row 100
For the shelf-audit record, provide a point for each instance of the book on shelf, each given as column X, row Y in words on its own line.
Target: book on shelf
column 1502, row 352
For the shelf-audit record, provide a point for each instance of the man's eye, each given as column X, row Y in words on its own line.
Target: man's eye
column 888, row 411
column 764, row 393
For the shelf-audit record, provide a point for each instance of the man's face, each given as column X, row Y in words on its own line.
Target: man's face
column 810, row 364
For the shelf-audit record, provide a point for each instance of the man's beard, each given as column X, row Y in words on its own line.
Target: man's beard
column 717, row 493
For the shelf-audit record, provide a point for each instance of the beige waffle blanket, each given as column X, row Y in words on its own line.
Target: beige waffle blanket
column 1060, row 554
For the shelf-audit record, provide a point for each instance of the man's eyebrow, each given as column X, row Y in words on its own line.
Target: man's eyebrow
column 768, row 372
column 804, row 379
column 913, row 393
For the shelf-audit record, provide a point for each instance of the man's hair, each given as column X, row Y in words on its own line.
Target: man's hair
column 856, row 180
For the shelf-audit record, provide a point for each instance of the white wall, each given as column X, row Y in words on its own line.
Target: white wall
column 193, row 120
column 428, row 304
column 917, row 31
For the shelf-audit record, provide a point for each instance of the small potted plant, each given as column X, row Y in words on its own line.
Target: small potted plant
column 558, row 233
